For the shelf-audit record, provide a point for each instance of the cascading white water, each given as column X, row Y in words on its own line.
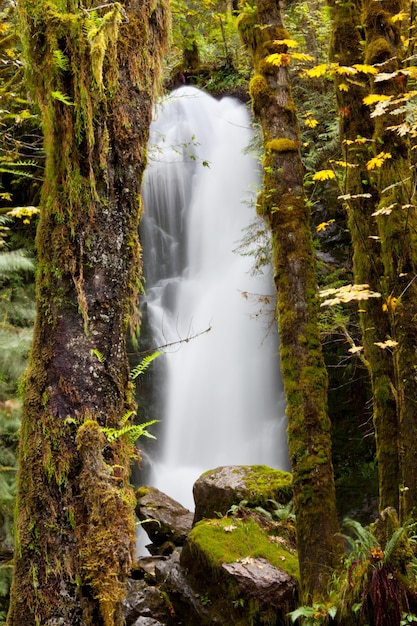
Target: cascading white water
column 223, row 396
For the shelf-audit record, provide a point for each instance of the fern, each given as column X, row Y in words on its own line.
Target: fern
column 143, row 365
column 131, row 432
column 15, row 261
column 61, row 97
column 362, row 542
column 61, row 60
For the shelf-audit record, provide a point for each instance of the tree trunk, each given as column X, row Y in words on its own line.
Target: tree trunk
column 284, row 207
column 396, row 221
column 383, row 228
column 93, row 73
column 362, row 195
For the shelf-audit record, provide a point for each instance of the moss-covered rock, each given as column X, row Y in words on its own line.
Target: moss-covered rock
column 256, row 571
column 219, row 489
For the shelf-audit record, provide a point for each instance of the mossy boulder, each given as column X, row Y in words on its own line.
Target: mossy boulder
column 255, row 570
column 219, row 489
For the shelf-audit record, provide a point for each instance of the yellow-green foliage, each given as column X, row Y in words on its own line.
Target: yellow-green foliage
column 282, row 145
column 105, row 538
column 228, row 539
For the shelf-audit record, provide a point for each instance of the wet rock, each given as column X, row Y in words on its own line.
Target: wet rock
column 166, row 522
column 144, row 602
column 147, row 621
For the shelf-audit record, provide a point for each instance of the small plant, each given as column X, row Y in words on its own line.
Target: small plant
column 313, row 615
column 131, row 432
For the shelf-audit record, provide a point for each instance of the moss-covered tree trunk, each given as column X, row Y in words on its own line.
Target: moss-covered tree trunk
column 396, row 220
column 361, row 191
column 93, row 73
column 283, row 204
column 383, row 227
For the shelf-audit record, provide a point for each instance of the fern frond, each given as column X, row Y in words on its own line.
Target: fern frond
column 131, row 432
column 15, row 172
column 393, row 542
column 144, row 364
column 363, row 539
column 61, row 97
column 15, row 261
column 61, row 60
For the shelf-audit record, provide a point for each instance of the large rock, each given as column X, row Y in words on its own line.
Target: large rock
column 237, row 564
column 164, row 520
column 258, row 579
column 216, row 491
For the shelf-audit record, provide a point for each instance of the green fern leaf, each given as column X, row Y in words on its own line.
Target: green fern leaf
column 61, row 97
column 144, row 364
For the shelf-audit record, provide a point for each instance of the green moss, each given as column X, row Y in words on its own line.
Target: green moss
column 377, row 51
column 141, row 492
column 263, row 481
column 105, row 537
column 227, row 541
column 282, row 144
column 259, row 88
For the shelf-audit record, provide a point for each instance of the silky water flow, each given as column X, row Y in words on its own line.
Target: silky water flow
column 222, row 400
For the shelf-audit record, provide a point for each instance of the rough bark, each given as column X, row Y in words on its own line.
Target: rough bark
column 283, row 204
column 93, row 73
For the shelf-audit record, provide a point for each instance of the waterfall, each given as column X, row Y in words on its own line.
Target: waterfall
column 222, row 395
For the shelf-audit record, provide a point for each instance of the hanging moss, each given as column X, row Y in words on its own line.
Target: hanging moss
column 106, row 536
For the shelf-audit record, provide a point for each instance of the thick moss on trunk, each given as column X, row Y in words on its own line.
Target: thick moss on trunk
column 282, row 203
column 93, row 73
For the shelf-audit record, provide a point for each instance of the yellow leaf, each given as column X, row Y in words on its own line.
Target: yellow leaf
column 373, row 98
column 324, row 175
column 345, row 69
column 323, row 225
column 378, row 160
column 347, row 293
column 389, row 343
column 290, row 43
column 343, row 87
column 365, row 69
column 390, row 303
column 300, row 56
column 279, row 59
column 310, row 122
column 355, row 349
column 354, row 196
column 23, row 211
column 343, row 163
column 385, row 210
column 317, row 71
column 399, row 17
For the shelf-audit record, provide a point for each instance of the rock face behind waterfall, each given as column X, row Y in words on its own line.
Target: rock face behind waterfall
column 233, row 565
